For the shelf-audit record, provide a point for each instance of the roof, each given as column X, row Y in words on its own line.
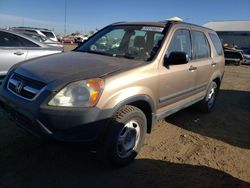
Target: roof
column 229, row 25
column 31, row 28
column 159, row 24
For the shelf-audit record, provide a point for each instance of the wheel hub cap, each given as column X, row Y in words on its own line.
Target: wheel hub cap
column 128, row 138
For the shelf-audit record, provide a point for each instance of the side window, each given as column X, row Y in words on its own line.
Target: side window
column 26, row 43
column 180, row 42
column 217, row 43
column 201, row 48
column 9, row 40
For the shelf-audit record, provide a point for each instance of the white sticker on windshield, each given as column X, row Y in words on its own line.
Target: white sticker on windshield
column 149, row 28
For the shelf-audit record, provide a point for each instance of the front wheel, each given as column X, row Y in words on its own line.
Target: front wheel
column 207, row 104
column 124, row 137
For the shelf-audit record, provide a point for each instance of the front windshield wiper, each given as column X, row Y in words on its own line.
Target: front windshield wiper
column 108, row 54
column 124, row 56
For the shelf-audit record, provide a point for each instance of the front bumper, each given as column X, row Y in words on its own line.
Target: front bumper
column 63, row 124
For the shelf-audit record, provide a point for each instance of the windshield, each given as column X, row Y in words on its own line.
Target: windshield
column 133, row 42
column 239, row 39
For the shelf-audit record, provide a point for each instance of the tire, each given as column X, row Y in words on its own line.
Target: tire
column 124, row 137
column 207, row 104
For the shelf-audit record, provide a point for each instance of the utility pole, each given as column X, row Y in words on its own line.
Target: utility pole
column 65, row 17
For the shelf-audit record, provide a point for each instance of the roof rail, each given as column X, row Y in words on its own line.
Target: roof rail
column 30, row 28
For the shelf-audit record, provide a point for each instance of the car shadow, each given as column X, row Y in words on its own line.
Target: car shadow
column 229, row 121
column 53, row 165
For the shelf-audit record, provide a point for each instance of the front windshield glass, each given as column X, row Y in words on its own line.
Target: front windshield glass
column 132, row 42
column 239, row 39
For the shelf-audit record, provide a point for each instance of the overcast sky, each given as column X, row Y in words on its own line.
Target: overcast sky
column 84, row 15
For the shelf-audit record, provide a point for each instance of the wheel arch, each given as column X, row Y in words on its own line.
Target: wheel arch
column 144, row 103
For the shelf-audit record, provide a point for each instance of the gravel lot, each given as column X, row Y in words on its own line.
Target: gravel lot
column 187, row 149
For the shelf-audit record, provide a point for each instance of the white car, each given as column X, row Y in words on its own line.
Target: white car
column 44, row 32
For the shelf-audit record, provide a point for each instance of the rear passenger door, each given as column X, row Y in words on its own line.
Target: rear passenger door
column 201, row 59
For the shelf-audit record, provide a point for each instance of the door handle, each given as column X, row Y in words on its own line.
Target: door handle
column 213, row 64
column 192, row 68
column 18, row 53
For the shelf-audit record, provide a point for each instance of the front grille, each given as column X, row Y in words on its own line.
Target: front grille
column 24, row 87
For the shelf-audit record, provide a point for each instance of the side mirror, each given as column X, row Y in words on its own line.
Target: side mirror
column 176, row 58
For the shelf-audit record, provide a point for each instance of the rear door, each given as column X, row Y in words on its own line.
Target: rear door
column 201, row 59
column 12, row 51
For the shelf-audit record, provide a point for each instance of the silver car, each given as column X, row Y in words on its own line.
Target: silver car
column 41, row 38
column 16, row 47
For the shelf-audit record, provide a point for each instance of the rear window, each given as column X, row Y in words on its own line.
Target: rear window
column 48, row 34
column 217, row 43
column 27, row 43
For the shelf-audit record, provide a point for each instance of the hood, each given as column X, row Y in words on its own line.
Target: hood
column 73, row 66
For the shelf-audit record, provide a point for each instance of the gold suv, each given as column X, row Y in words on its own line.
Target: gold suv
column 111, row 90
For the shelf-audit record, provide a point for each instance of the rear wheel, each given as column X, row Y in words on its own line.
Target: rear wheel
column 124, row 137
column 207, row 104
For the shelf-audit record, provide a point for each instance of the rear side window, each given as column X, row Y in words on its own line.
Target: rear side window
column 27, row 43
column 9, row 40
column 180, row 42
column 201, row 48
column 217, row 43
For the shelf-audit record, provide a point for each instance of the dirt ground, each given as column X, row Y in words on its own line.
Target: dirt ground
column 187, row 149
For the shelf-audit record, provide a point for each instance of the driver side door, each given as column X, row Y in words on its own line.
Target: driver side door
column 176, row 81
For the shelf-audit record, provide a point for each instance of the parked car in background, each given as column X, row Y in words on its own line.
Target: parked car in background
column 111, row 93
column 44, row 32
column 236, row 46
column 16, row 47
column 42, row 39
column 81, row 39
column 59, row 38
column 233, row 55
column 68, row 39
column 246, row 56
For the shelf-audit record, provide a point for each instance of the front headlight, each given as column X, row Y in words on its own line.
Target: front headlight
column 83, row 93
